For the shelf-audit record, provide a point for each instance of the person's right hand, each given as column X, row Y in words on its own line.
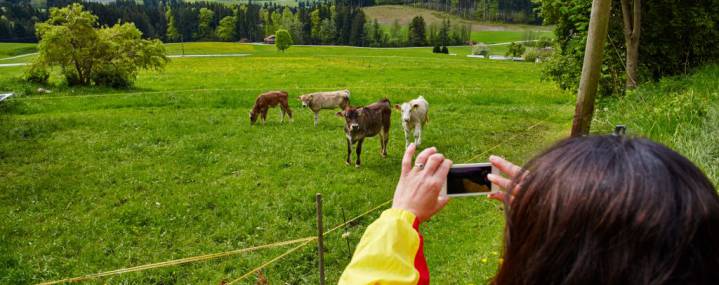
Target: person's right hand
column 419, row 187
column 508, row 169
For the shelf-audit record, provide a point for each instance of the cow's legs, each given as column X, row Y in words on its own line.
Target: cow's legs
column 286, row 110
column 317, row 117
column 406, row 135
column 264, row 116
column 385, row 139
column 359, row 152
column 418, row 134
column 282, row 115
column 349, row 152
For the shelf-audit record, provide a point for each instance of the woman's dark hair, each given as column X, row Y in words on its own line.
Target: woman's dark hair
column 611, row 210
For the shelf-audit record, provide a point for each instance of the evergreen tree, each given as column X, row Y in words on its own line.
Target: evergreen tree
column 358, row 36
column 172, row 34
column 417, row 35
column 443, row 36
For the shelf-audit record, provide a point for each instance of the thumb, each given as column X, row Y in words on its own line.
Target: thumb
column 441, row 202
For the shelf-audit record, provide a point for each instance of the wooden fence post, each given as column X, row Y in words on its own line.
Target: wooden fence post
column 598, row 26
column 320, row 232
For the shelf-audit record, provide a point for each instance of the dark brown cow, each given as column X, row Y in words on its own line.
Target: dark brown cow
column 268, row 100
column 366, row 122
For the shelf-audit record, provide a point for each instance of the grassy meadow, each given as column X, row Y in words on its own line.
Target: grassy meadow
column 97, row 179
column 681, row 112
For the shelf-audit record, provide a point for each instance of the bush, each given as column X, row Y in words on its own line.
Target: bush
column 37, row 73
column 515, row 50
column 481, row 49
column 543, row 42
column 531, row 55
column 436, row 49
column 445, row 50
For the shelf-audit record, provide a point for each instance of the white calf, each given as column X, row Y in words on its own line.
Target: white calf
column 415, row 114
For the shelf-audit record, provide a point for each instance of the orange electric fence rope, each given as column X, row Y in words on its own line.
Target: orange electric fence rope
column 301, row 245
column 176, row 261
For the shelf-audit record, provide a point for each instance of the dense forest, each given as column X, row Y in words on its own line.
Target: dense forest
column 335, row 22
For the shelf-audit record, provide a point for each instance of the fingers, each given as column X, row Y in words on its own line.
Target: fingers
column 433, row 163
column 499, row 196
column 424, row 155
column 443, row 169
column 500, row 181
column 407, row 159
column 505, row 166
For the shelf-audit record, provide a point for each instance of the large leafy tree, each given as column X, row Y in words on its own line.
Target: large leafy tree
column 85, row 54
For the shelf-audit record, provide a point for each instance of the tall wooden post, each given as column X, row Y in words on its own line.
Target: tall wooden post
column 320, row 233
column 598, row 26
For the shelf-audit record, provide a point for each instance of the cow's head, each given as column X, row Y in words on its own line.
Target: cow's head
column 351, row 116
column 406, row 109
column 305, row 99
column 253, row 117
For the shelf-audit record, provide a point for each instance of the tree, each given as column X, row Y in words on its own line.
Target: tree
column 316, row 22
column 204, row 28
column 395, row 34
column 358, row 35
column 172, row 33
column 377, row 37
column 328, row 31
column 111, row 56
column 443, row 36
column 632, row 16
column 417, row 35
column 226, row 29
column 283, row 40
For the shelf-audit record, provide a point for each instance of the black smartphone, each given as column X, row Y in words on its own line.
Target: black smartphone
column 470, row 180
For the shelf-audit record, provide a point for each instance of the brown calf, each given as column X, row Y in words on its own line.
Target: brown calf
column 268, row 100
column 366, row 122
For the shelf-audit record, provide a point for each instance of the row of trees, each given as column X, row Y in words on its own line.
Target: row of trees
column 309, row 23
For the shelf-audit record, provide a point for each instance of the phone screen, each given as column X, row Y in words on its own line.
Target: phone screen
column 465, row 180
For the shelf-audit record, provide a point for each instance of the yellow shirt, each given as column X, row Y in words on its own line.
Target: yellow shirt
column 390, row 252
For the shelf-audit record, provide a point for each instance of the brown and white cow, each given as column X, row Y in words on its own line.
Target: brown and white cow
column 415, row 114
column 364, row 122
column 325, row 100
column 268, row 100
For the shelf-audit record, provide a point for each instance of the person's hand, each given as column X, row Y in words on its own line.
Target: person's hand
column 508, row 169
column 420, row 185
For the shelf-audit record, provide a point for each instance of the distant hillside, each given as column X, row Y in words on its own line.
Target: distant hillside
column 386, row 15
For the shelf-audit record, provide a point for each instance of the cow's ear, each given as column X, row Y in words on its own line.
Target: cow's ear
column 340, row 114
column 398, row 107
column 414, row 106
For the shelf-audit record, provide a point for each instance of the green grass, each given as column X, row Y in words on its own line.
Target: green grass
column 95, row 179
column 15, row 49
column 681, row 112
